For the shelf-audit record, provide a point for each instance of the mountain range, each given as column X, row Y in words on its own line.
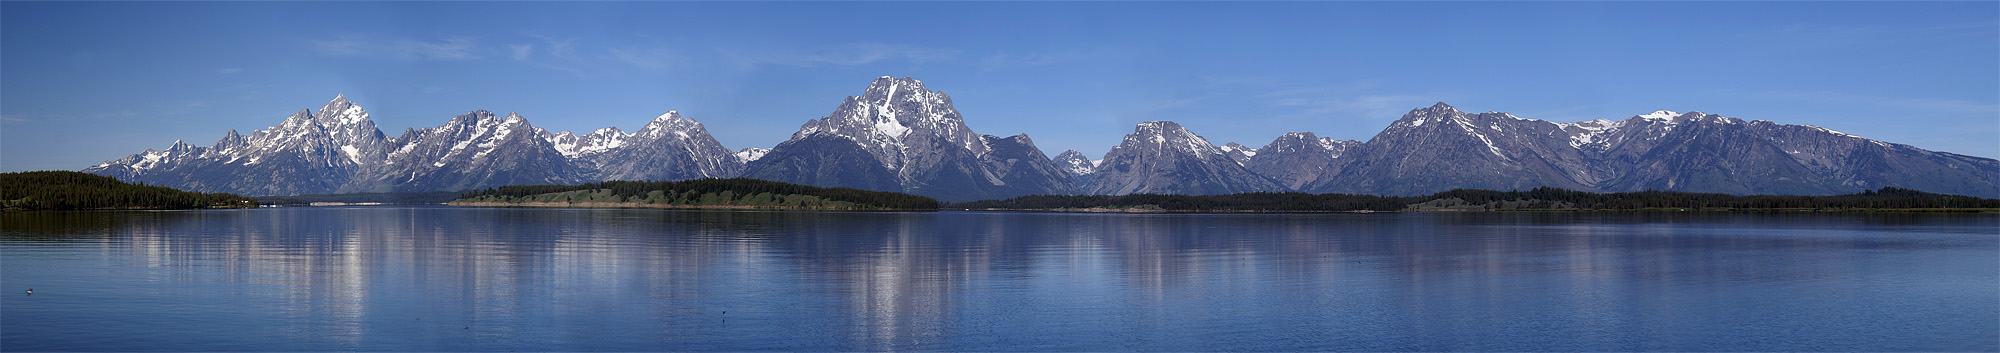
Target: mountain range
column 899, row 135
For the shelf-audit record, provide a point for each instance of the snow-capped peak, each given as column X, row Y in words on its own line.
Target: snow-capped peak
column 1591, row 132
column 670, row 115
column 891, row 111
column 1075, row 162
column 752, row 154
column 671, row 123
column 1659, row 115
column 341, row 112
column 1237, row 147
column 603, row 139
column 1420, row 116
column 1167, row 134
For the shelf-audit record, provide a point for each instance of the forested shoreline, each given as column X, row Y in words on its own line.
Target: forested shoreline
column 65, row 190
column 735, row 193
column 1543, row 199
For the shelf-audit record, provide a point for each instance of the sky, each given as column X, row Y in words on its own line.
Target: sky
column 81, row 83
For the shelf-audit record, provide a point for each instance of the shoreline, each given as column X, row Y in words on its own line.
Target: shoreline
column 1641, row 210
column 1102, row 210
column 665, row 206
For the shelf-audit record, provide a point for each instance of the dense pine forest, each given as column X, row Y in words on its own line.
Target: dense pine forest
column 1482, row 200
column 698, row 193
column 63, row 190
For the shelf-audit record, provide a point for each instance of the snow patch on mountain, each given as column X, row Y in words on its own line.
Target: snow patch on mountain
column 752, row 154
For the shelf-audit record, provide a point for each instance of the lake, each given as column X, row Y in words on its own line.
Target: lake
column 486, row 279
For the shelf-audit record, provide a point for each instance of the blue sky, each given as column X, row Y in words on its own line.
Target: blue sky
column 86, row 82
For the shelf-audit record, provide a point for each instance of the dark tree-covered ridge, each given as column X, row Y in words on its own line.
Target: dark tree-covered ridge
column 734, row 193
column 1468, row 199
column 65, row 190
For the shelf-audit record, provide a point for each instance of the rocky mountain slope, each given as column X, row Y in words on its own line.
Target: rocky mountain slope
column 918, row 136
column 1161, row 157
column 898, row 135
column 338, row 149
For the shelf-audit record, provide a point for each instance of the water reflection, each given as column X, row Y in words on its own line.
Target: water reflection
column 430, row 278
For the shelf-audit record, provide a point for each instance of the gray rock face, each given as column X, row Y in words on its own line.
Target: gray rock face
column 917, row 135
column 823, row 160
column 1023, row 168
column 1161, row 157
column 751, row 154
column 576, row 146
column 339, row 150
column 671, row 147
column 1439, row 148
column 1075, row 163
column 306, row 153
column 473, row 150
column 900, row 136
column 1711, row 153
column 1298, row 159
column 1238, row 152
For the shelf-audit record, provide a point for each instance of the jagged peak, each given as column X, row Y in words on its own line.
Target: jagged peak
column 1419, row 116
column 890, row 89
column 1661, row 115
column 342, row 112
column 749, row 154
column 1158, row 125
column 1302, row 135
column 670, row 115
column 885, row 83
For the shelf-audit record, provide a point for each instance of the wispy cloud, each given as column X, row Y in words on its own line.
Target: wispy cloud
column 549, row 52
column 13, row 119
column 557, row 47
column 1359, row 99
column 1936, row 105
column 846, row 55
column 446, row 49
column 521, row 52
column 654, row 58
column 1045, row 58
column 229, row 70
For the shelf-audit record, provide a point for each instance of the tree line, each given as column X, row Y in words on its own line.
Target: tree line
column 65, row 190
column 712, row 191
column 1544, row 198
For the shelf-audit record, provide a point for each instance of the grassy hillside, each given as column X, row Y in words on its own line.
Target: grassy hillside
column 1486, row 200
column 63, row 190
column 700, row 193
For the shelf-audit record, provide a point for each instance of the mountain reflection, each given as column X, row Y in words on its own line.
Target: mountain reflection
column 430, row 278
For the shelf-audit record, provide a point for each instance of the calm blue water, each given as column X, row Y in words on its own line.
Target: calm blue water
column 434, row 278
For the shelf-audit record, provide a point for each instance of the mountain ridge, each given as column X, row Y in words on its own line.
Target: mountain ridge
column 900, row 135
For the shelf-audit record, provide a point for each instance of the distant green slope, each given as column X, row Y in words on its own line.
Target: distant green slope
column 63, row 190
column 700, row 193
